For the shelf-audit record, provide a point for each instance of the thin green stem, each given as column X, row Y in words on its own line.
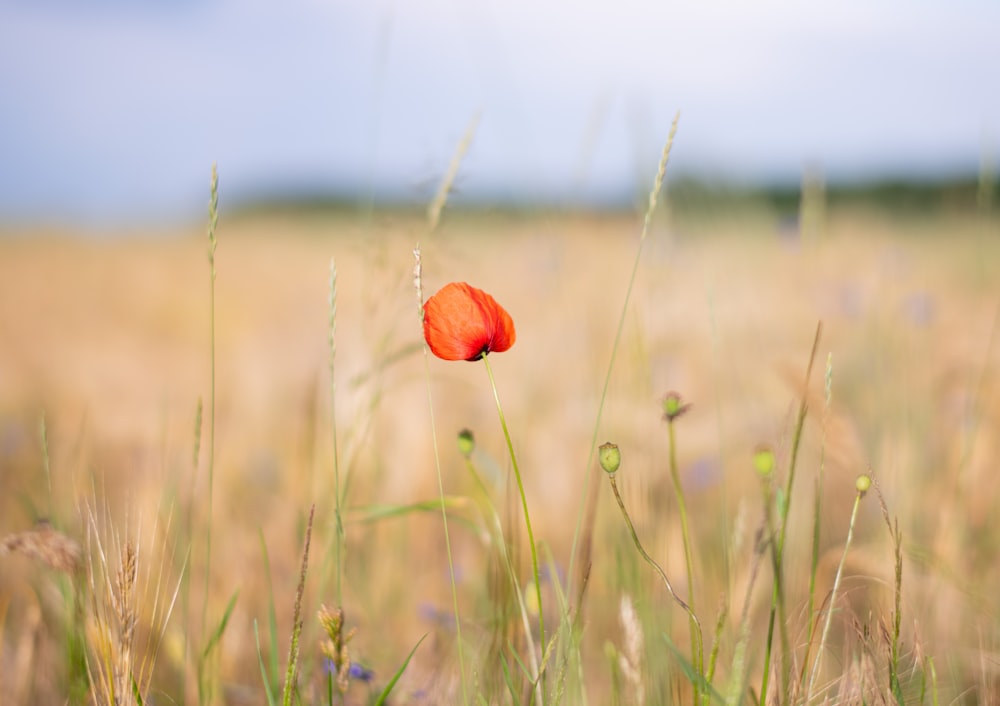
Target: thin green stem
column 686, row 535
column 524, row 505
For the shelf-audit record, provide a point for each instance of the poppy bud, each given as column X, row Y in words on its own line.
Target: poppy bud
column 673, row 406
column 466, row 443
column 863, row 483
column 610, row 457
column 763, row 461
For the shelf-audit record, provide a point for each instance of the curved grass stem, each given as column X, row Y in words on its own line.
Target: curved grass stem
column 697, row 640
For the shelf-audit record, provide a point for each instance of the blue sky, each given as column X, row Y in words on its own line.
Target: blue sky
column 112, row 109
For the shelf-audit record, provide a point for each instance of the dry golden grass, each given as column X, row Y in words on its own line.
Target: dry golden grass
column 109, row 337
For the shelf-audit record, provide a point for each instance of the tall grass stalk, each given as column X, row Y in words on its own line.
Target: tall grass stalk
column 897, row 545
column 436, row 207
column 863, row 484
column 338, row 515
column 213, row 220
column 291, row 675
column 579, row 562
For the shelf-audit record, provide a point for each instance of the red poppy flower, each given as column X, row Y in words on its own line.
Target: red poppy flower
column 465, row 323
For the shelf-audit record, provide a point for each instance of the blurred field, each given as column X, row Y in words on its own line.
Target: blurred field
column 108, row 338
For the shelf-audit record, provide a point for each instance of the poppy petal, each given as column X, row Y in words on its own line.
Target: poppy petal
column 462, row 322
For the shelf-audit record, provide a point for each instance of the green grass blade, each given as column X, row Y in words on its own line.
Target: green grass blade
column 136, row 694
column 220, row 628
column 377, row 512
column 399, row 672
column 509, row 680
column 263, row 669
column 691, row 673
column 272, row 617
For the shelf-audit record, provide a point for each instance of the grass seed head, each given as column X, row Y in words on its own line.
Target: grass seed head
column 46, row 544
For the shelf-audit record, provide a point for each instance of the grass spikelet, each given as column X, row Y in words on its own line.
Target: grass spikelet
column 45, row 544
column 291, row 675
column 436, row 206
column 895, row 688
column 335, row 649
column 123, row 603
column 130, row 603
column 630, row 658
column 213, row 221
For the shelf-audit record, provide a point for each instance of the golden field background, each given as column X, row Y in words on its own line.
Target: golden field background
column 108, row 338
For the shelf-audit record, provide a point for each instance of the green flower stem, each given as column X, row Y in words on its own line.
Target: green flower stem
column 524, row 504
column 682, row 509
column 695, row 625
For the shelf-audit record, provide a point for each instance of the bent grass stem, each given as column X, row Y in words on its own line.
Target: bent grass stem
column 695, row 624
